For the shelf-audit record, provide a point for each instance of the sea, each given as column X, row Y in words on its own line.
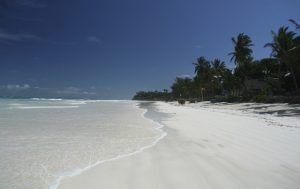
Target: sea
column 43, row 141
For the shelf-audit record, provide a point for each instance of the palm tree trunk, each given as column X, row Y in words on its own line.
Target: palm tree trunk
column 294, row 80
column 279, row 70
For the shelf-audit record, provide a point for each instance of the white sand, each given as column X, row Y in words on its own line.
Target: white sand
column 207, row 149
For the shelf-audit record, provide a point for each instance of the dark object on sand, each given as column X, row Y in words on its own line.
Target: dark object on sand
column 192, row 100
column 181, row 101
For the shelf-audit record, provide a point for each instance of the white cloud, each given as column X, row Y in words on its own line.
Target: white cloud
column 17, row 36
column 26, row 86
column 74, row 90
column 93, row 39
column 88, row 93
column 18, row 87
column 69, row 90
column 198, row 46
column 9, row 38
column 185, row 76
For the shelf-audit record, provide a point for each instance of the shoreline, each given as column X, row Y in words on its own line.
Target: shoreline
column 77, row 172
column 232, row 151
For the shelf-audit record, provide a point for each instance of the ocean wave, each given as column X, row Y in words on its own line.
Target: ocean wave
column 77, row 171
column 42, row 107
column 50, row 99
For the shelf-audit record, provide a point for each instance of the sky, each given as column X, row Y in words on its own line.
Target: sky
column 110, row 49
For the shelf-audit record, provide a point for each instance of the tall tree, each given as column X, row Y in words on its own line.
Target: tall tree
column 242, row 51
column 202, row 69
column 182, row 88
column 295, row 23
column 203, row 76
column 285, row 47
column 218, row 67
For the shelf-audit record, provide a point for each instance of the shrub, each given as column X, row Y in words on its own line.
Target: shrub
column 181, row 101
column 294, row 100
column 192, row 101
column 259, row 98
column 234, row 99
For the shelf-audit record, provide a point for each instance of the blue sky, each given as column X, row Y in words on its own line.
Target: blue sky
column 110, row 49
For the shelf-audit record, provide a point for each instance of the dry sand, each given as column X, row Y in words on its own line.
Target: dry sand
column 208, row 149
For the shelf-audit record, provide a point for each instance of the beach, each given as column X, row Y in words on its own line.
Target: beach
column 43, row 141
column 208, row 146
column 149, row 94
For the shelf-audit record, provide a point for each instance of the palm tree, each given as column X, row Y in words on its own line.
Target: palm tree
column 242, row 52
column 218, row 67
column 295, row 23
column 203, row 76
column 284, row 45
column 182, row 88
column 202, row 69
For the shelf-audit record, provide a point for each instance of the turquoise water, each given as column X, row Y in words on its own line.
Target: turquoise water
column 43, row 139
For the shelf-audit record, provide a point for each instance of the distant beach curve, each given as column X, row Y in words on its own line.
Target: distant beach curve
column 208, row 146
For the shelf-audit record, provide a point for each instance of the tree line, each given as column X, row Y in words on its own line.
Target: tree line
column 275, row 78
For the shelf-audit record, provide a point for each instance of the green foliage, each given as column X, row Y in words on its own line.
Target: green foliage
column 153, row 95
column 283, row 42
column 285, row 48
column 202, row 70
column 250, row 80
column 211, row 77
column 242, row 52
column 295, row 23
column 259, row 98
column 183, row 88
column 269, row 66
column 294, row 100
column 230, row 99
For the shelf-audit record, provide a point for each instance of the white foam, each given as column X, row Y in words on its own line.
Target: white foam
column 50, row 99
column 76, row 172
column 42, row 107
column 77, row 102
